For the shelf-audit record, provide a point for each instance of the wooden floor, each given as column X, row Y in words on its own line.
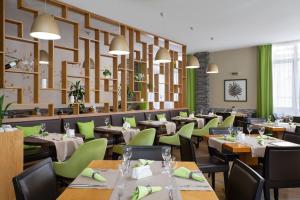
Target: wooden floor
column 284, row 194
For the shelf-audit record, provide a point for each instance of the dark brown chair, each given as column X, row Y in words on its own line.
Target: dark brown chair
column 281, row 169
column 208, row 164
column 37, row 182
column 291, row 137
column 244, row 183
column 147, row 152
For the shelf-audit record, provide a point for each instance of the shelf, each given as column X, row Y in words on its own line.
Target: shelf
column 21, row 72
column 108, row 56
column 57, row 89
column 90, row 39
column 108, row 79
column 20, row 39
column 140, row 61
column 72, row 63
column 73, row 76
column 65, row 48
column 132, row 102
column 140, row 81
column 131, row 70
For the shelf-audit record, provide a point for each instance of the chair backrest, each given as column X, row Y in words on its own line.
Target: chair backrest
column 187, row 150
column 144, row 138
column 147, row 152
column 281, row 166
column 228, row 122
column 36, row 182
column 220, row 131
column 187, row 130
column 213, row 123
column 244, row 183
column 87, row 152
column 292, row 137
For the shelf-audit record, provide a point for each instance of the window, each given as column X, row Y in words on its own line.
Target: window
column 286, row 76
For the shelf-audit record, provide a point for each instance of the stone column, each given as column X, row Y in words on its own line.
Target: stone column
column 202, row 82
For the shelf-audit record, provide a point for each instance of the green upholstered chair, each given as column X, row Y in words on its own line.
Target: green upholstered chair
column 185, row 131
column 228, row 122
column 199, row 132
column 92, row 150
column 144, row 138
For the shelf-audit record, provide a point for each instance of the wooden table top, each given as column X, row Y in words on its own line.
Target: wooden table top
column 233, row 147
column 104, row 194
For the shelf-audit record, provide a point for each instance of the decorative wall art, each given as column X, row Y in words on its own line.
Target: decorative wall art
column 235, row 90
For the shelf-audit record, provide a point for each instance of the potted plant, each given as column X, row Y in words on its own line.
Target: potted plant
column 106, row 73
column 78, row 92
column 3, row 109
column 139, row 77
column 130, row 94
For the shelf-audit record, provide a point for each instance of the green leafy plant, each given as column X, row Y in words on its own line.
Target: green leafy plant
column 3, row 109
column 77, row 90
column 106, row 73
column 139, row 77
column 130, row 94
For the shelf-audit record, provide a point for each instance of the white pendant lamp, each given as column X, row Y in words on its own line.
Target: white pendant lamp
column 163, row 55
column 212, row 69
column 45, row 27
column 44, row 58
column 192, row 62
column 119, row 46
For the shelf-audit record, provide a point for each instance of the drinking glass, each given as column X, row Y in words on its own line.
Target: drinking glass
column 291, row 118
column 166, row 153
column 106, row 121
column 239, row 130
column 66, row 127
column 261, row 131
column 171, row 165
column 249, row 128
column 127, row 154
column 230, row 129
column 43, row 128
column 149, row 117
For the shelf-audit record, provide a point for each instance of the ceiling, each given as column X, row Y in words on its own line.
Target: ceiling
column 217, row 24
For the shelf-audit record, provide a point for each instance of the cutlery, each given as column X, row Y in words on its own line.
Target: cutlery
column 86, row 185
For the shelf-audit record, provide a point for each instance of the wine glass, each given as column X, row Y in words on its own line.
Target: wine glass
column 43, row 128
column 291, row 118
column 261, row 131
column 249, row 128
column 230, row 129
column 66, row 127
column 149, row 117
column 269, row 118
column 171, row 165
column 127, row 154
column 106, row 121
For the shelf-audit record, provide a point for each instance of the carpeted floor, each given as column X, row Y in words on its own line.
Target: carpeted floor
column 284, row 194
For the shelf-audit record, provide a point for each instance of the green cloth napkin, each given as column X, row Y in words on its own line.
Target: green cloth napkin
column 230, row 138
column 142, row 191
column 183, row 172
column 143, row 162
column 89, row 172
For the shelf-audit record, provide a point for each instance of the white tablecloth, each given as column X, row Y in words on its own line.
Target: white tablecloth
column 64, row 145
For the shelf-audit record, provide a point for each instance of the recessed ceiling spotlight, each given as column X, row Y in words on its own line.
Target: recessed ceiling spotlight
column 212, row 38
column 162, row 14
column 191, row 28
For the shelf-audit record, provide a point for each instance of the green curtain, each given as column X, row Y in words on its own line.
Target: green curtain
column 191, row 89
column 264, row 87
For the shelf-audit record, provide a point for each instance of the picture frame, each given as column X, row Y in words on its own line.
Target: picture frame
column 235, row 90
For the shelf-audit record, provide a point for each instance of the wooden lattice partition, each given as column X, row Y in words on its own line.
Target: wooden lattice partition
column 141, row 59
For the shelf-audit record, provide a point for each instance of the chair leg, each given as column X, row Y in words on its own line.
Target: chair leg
column 267, row 193
column 198, row 142
column 213, row 180
column 225, row 179
column 276, row 192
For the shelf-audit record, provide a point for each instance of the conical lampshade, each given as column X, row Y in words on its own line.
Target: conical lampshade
column 163, row 55
column 44, row 58
column 192, row 62
column 45, row 27
column 119, row 46
column 212, row 69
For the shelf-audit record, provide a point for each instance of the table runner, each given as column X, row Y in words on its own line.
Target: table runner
column 288, row 127
column 200, row 121
column 86, row 182
column 64, row 145
column 170, row 126
column 128, row 134
column 217, row 142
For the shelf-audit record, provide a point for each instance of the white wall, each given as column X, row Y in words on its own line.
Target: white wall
column 243, row 61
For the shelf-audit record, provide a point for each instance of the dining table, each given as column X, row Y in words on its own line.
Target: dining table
column 199, row 122
column 107, row 192
column 117, row 131
column 249, row 149
column 278, row 128
column 64, row 146
column 208, row 117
